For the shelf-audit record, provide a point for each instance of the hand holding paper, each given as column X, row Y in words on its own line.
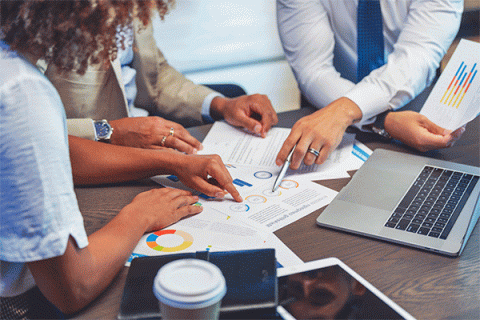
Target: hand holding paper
column 419, row 132
column 455, row 99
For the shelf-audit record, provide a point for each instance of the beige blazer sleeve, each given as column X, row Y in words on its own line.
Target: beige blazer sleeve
column 95, row 95
column 162, row 89
column 83, row 128
column 99, row 93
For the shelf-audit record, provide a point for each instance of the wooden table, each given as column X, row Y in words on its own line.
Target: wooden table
column 427, row 285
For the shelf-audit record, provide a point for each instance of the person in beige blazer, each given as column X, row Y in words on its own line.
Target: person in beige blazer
column 161, row 90
column 99, row 93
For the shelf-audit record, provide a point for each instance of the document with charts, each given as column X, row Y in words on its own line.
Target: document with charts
column 211, row 231
column 455, row 99
column 238, row 147
column 262, row 208
column 294, row 199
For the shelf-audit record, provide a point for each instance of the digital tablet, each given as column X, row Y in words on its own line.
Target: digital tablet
column 250, row 275
column 329, row 289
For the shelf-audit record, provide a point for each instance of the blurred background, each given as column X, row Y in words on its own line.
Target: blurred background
column 233, row 41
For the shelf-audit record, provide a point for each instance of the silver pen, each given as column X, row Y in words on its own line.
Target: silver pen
column 285, row 166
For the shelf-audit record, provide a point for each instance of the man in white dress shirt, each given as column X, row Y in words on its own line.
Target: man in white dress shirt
column 320, row 43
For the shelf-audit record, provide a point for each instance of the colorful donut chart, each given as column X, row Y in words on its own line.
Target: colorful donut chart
column 256, row 199
column 152, row 240
column 239, row 207
column 289, row 184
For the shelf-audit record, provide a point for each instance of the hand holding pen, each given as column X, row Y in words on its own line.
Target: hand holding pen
column 283, row 171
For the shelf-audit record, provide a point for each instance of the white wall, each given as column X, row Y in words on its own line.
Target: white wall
column 232, row 41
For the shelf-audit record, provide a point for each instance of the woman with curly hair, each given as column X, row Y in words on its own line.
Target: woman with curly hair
column 72, row 34
column 48, row 265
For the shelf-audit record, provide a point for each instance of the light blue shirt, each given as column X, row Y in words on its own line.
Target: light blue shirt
column 38, row 206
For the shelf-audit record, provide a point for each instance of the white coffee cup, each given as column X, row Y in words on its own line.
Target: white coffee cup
column 189, row 289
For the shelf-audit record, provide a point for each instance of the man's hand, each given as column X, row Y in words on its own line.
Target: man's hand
column 417, row 131
column 321, row 131
column 149, row 133
column 254, row 112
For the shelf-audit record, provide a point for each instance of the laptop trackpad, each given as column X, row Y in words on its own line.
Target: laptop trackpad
column 382, row 189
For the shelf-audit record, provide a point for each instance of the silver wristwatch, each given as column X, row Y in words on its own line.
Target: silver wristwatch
column 378, row 126
column 103, row 130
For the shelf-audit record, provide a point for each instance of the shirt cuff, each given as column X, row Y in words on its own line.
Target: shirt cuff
column 206, row 106
column 82, row 128
column 370, row 99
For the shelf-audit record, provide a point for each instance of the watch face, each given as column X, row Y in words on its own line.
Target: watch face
column 103, row 130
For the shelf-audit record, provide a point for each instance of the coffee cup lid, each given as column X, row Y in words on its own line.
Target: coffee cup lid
column 189, row 284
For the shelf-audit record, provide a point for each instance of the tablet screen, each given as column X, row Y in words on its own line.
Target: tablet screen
column 330, row 292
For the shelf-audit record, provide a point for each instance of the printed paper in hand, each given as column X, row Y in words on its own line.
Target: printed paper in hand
column 455, row 99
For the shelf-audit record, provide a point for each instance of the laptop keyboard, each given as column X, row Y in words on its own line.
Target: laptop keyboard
column 433, row 203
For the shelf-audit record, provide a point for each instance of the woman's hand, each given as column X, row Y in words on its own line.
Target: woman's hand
column 163, row 207
column 153, row 133
column 207, row 174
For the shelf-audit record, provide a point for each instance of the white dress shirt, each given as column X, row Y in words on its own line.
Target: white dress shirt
column 319, row 38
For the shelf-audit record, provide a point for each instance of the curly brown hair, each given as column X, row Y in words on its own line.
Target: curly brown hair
column 71, row 34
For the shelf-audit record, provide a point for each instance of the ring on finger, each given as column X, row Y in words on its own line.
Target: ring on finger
column 163, row 141
column 314, row 152
column 172, row 131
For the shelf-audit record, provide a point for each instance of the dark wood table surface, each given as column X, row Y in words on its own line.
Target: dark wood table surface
column 427, row 285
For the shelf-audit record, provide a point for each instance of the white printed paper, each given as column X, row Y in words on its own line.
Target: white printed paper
column 211, row 231
column 238, row 147
column 294, row 199
column 455, row 99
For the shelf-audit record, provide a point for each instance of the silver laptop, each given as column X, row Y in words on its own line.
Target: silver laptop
column 416, row 201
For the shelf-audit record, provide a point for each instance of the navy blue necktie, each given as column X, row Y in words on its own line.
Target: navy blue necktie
column 369, row 37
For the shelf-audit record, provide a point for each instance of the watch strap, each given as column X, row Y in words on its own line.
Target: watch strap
column 378, row 126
